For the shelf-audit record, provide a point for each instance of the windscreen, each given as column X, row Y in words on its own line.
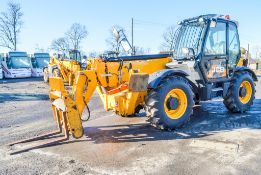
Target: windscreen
column 75, row 56
column 17, row 62
column 41, row 60
column 189, row 36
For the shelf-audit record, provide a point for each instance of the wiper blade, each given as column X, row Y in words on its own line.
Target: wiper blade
column 185, row 58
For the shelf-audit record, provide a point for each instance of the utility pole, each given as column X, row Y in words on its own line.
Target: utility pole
column 133, row 50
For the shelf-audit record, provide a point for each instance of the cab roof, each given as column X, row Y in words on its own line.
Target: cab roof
column 207, row 17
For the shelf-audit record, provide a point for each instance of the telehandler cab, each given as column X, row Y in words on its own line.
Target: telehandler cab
column 206, row 64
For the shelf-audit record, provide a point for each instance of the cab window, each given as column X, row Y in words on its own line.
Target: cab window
column 233, row 45
column 216, row 40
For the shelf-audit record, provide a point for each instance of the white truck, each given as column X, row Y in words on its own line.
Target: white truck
column 39, row 62
column 16, row 65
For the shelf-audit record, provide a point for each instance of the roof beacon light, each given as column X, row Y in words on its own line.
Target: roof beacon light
column 201, row 19
column 227, row 17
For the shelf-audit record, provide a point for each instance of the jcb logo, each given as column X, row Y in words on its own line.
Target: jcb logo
column 218, row 69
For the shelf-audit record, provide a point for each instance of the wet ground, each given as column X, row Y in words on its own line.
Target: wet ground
column 213, row 142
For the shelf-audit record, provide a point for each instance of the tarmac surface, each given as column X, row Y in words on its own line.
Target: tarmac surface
column 213, row 142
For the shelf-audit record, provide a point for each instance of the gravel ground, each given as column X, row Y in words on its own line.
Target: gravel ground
column 214, row 141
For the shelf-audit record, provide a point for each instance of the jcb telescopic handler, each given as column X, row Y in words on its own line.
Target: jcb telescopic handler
column 205, row 65
column 64, row 67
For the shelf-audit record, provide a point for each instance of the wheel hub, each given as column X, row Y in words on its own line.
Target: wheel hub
column 172, row 103
column 245, row 92
column 242, row 92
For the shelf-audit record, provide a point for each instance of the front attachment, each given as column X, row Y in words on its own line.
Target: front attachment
column 73, row 119
column 47, row 139
column 66, row 116
column 63, row 102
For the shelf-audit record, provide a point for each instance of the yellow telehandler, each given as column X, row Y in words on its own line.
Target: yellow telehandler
column 205, row 64
column 64, row 67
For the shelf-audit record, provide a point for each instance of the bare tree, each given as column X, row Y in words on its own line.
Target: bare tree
column 141, row 50
column 113, row 41
column 10, row 26
column 169, row 38
column 93, row 54
column 256, row 50
column 60, row 45
column 76, row 34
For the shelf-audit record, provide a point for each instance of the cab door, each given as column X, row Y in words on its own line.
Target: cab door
column 233, row 48
column 214, row 63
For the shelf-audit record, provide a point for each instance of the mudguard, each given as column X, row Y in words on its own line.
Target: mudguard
column 156, row 77
column 239, row 69
column 50, row 70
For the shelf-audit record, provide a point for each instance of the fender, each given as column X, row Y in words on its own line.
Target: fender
column 156, row 77
column 45, row 67
column 50, row 70
column 242, row 68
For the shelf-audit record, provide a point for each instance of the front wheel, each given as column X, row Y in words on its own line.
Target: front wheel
column 241, row 93
column 171, row 104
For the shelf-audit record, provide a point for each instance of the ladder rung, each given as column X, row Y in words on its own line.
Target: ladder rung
column 217, row 89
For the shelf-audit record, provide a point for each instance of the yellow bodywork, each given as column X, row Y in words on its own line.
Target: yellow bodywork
column 241, row 62
column 112, row 83
column 243, row 57
column 121, row 86
column 67, row 68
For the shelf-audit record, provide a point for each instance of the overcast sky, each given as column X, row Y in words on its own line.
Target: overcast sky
column 45, row 20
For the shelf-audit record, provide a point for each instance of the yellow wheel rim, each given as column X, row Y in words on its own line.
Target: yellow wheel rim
column 181, row 96
column 248, row 87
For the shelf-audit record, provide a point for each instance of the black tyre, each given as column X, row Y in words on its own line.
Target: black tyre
column 241, row 93
column 171, row 104
column 46, row 75
column 56, row 73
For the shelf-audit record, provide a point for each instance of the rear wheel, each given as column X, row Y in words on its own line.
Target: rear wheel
column 171, row 104
column 46, row 75
column 241, row 93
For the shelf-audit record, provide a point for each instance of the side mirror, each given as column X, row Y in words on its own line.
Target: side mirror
column 85, row 59
column 189, row 52
column 213, row 23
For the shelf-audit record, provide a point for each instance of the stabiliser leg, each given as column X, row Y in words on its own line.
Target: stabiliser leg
column 48, row 141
